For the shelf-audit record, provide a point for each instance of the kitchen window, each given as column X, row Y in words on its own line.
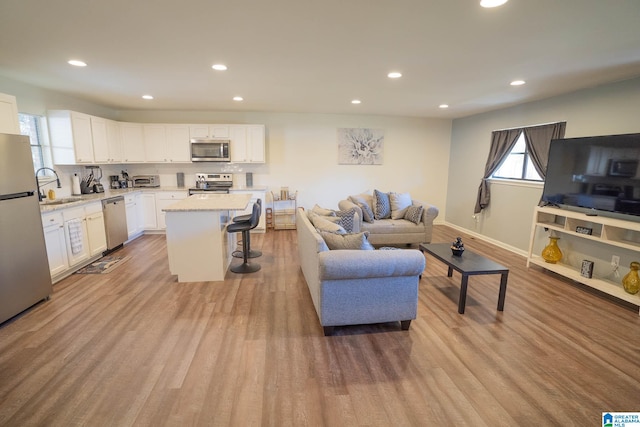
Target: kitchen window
column 32, row 126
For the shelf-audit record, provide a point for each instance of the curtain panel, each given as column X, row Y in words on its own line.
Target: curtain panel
column 537, row 139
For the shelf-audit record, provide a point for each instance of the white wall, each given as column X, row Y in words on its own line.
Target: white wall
column 301, row 150
column 604, row 110
column 302, row 154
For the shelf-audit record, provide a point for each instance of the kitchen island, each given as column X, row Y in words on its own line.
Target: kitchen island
column 198, row 245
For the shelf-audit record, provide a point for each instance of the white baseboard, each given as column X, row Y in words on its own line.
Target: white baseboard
column 489, row 240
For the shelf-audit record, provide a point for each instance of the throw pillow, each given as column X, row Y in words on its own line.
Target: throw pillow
column 414, row 213
column 363, row 204
column 399, row 204
column 322, row 223
column 382, row 205
column 347, row 241
column 346, row 219
column 322, row 211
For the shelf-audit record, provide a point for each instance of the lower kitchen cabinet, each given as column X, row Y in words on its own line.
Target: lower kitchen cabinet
column 76, row 237
column 96, row 235
column 164, row 199
column 149, row 220
column 133, row 206
column 53, row 225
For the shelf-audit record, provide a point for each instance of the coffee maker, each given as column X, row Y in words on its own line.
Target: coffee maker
column 115, row 181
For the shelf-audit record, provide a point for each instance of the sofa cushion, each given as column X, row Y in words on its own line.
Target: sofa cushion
column 322, row 211
column 382, row 205
column 393, row 226
column 399, row 204
column 322, row 223
column 414, row 213
column 363, row 202
column 346, row 241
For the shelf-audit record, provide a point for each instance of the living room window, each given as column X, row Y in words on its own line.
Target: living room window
column 32, row 126
column 518, row 164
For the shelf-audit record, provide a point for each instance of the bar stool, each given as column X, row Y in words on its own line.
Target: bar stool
column 246, row 218
column 244, row 228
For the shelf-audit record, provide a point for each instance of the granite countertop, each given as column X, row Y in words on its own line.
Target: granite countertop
column 73, row 201
column 211, row 202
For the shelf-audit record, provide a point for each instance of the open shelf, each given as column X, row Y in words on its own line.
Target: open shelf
column 614, row 233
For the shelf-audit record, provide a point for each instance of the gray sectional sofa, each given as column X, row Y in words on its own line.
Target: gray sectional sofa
column 355, row 286
column 394, row 230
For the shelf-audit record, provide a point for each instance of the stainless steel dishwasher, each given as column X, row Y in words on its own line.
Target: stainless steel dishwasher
column 115, row 222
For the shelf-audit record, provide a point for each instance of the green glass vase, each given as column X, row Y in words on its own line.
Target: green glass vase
column 631, row 281
column 552, row 253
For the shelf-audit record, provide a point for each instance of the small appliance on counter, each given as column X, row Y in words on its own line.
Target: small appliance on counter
column 91, row 182
column 114, row 182
column 212, row 183
column 146, row 181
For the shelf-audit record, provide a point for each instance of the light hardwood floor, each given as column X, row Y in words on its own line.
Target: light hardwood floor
column 134, row 347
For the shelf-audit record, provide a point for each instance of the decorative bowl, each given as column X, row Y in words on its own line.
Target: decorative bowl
column 457, row 252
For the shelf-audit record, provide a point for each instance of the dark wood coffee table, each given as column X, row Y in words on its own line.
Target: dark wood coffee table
column 469, row 264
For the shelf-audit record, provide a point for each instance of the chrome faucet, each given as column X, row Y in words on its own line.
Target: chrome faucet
column 41, row 195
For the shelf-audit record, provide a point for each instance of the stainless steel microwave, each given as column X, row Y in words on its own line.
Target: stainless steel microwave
column 210, row 150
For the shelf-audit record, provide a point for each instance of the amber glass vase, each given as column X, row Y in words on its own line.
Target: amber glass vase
column 552, row 253
column 631, row 281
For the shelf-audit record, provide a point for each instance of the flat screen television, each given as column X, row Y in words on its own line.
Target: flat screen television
column 597, row 174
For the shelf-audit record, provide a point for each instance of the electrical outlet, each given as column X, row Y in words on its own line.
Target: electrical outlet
column 615, row 261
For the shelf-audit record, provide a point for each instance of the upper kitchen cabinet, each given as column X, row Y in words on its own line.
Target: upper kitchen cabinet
column 247, row 143
column 209, row 131
column 71, row 137
column 132, row 142
column 155, row 143
column 178, row 143
column 107, row 145
column 166, row 143
column 9, row 114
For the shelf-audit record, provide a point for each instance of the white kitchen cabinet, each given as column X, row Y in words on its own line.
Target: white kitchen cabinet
column 133, row 216
column 155, row 143
column 164, row 199
column 255, row 195
column 9, row 114
column 209, row 131
column 76, row 237
column 71, row 137
column 178, row 143
column 99, row 137
column 149, row 219
column 96, row 234
column 53, row 226
column 114, row 141
column 247, row 143
column 132, row 142
column 107, row 145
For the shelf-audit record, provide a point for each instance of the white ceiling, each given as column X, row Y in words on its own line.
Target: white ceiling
column 316, row 56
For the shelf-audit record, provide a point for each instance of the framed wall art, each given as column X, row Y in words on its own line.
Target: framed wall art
column 360, row 146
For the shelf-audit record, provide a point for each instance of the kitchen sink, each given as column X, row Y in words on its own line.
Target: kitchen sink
column 61, row 201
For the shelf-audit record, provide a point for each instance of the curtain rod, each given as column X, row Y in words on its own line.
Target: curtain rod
column 530, row 126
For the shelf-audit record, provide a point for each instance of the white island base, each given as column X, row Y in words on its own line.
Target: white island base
column 198, row 245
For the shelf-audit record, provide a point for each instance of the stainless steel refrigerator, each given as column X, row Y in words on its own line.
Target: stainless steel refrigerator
column 24, row 267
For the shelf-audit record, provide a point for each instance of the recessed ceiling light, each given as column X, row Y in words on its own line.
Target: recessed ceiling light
column 492, row 3
column 356, row 101
column 77, row 63
column 394, row 75
column 443, row 106
column 517, row 83
column 238, row 98
column 219, row 67
column 147, row 97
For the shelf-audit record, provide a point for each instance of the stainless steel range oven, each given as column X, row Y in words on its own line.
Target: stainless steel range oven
column 212, row 183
